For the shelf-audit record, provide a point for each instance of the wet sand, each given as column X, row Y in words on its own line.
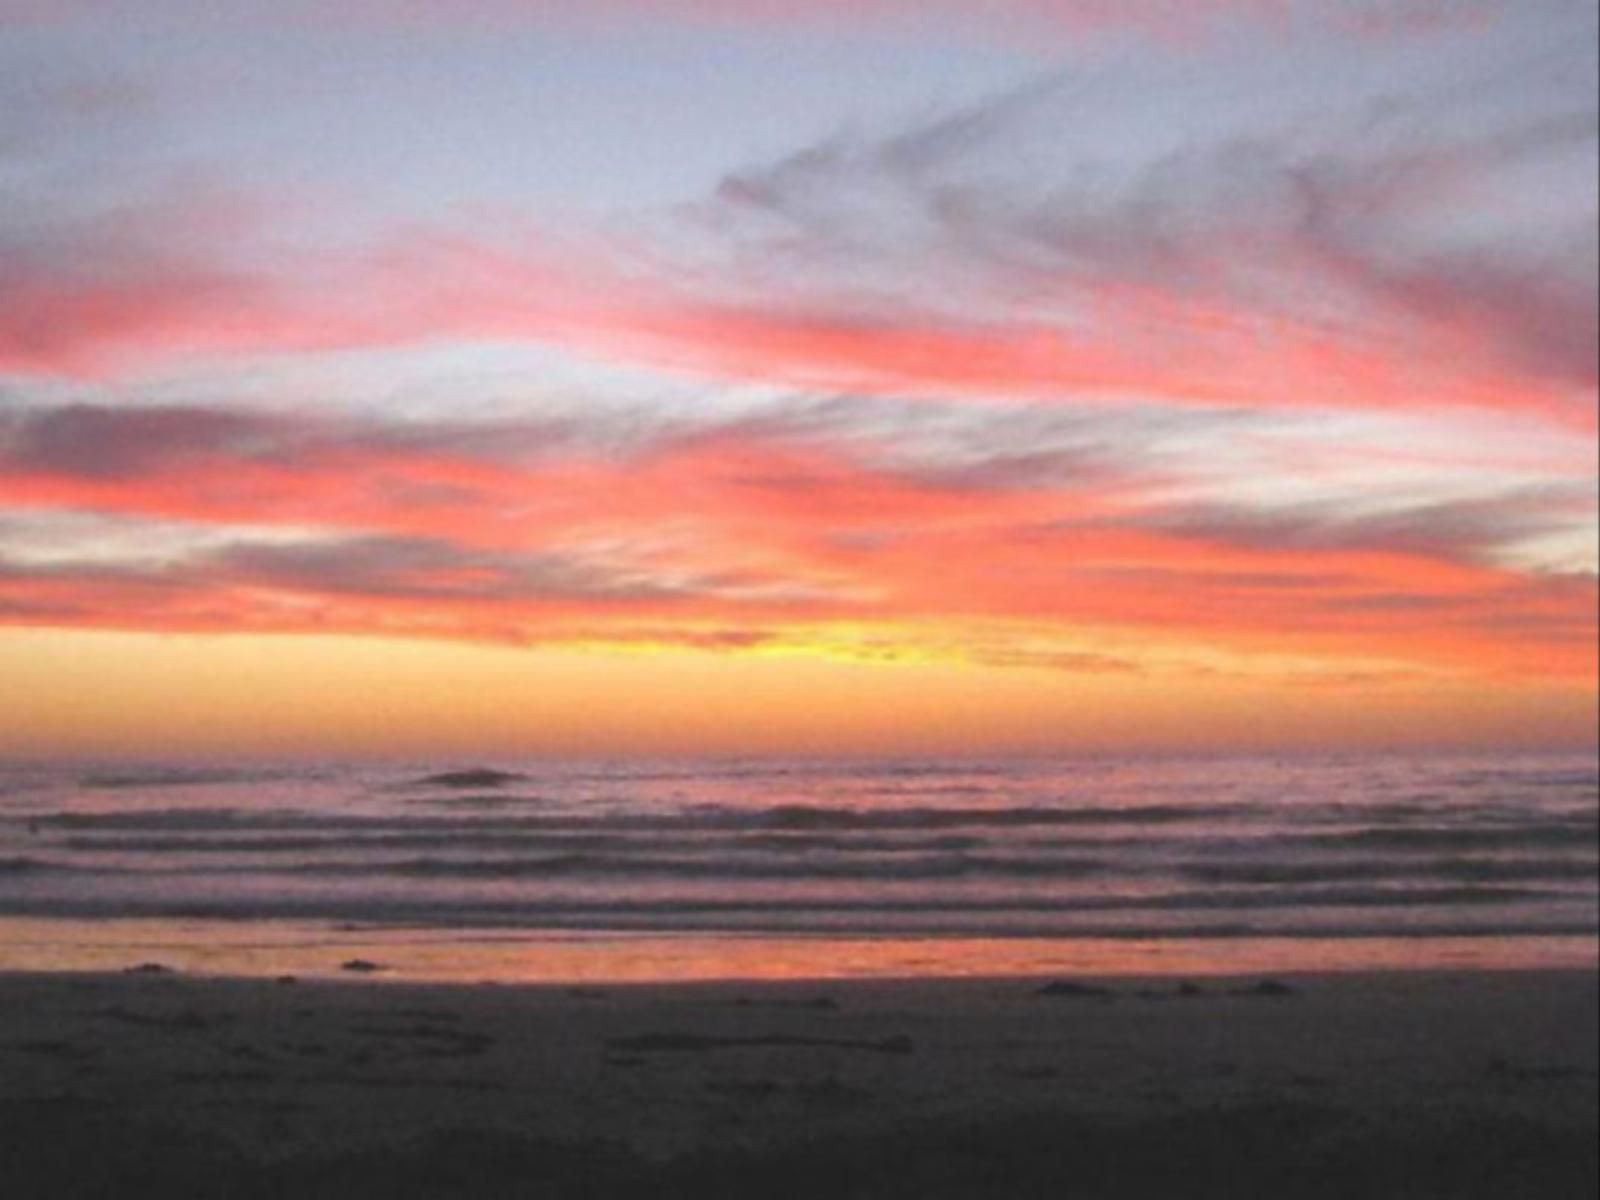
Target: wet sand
column 1397, row 1084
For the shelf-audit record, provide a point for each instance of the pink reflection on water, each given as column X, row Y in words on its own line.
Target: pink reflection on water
column 266, row 949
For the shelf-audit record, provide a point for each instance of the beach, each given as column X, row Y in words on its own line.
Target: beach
column 158, row 1082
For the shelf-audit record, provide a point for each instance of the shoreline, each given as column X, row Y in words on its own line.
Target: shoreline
column 373, row 978
column 1440, row 1082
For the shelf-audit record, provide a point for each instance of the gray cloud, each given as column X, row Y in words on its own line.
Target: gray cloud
column 378, row 568
column 937, row 446
column 1404, row 221
column 100, row 442
column 1474, row 527
column 430, row 569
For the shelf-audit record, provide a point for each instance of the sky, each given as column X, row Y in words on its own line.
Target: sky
column 417, row 377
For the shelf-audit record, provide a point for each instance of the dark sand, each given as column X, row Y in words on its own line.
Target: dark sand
column 1415, row 1085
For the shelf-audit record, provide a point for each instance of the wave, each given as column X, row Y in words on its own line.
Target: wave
column 467, row 778
column 177, row 777
column 747, row 857
column 1470, row 837
column 802, row 816
column 555, row 840
column 644, row 866
column 23, row 865
column 489, row 800
column 1504, row 870
column 736, row 882
column 709, row 819
column 198, row 819
column 1137, row 831
column 1526, row 776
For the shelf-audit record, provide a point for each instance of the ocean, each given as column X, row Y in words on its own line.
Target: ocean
column 604, row 871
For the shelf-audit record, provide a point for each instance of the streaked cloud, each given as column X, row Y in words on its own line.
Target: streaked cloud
column 832, row 511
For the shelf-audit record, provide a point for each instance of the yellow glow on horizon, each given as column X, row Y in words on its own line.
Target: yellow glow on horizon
column 980, row 643
column 112, row 694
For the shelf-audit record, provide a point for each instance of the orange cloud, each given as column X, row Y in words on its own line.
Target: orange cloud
column 322, row 526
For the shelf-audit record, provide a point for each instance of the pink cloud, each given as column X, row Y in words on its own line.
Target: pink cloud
column 1139, row 344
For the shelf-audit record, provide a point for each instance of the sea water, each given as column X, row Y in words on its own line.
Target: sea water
column 667, row 870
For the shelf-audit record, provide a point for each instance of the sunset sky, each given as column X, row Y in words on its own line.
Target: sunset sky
column 513, row 376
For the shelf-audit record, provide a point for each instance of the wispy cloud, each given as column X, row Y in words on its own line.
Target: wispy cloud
column 1298, row 264
column 1302, row 264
